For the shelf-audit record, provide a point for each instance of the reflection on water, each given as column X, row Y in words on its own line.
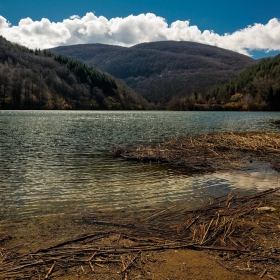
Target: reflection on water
column 54, row 162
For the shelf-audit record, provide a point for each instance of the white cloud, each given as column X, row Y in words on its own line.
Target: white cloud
column 4, row 24
column 133, row 30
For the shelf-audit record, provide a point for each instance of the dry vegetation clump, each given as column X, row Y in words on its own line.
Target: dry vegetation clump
column 211, row 152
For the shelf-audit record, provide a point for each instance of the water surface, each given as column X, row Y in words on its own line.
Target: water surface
column 58, row 161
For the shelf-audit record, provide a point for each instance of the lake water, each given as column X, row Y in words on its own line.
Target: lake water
column 58, row 161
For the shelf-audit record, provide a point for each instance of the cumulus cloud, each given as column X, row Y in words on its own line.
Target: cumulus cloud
column 133, row 30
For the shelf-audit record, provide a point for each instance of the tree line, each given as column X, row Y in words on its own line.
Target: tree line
column 41, row 80
column 255, row 88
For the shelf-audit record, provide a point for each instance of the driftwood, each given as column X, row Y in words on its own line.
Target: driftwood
column 213, row 227
column 210, row 152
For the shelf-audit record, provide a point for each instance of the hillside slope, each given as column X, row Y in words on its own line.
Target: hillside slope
column 256, row 88
column 162, row 71
column 41, row 80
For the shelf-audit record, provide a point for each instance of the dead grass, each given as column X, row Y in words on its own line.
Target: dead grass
column 210, row 152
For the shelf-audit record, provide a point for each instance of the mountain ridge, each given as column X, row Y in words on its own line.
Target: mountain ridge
column 162, row 71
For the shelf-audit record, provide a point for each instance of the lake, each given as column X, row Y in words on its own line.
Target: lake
column 58, row 161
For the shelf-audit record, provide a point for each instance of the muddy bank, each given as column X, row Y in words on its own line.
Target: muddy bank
column 231, row 237
column 210, row 152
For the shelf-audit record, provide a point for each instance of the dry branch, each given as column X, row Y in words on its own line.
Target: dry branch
column 50, row 271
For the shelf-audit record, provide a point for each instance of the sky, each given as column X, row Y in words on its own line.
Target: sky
column 250, row 27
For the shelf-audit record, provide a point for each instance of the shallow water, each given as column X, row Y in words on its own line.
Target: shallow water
column 58, row 161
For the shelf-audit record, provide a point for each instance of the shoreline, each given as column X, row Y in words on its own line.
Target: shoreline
column 235, row 237
column 232, row 237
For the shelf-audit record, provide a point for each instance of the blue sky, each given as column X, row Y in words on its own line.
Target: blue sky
column 118, row 22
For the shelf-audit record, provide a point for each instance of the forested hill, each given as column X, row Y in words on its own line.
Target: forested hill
column 40, row 80
column 163, row 71
column 256, row 88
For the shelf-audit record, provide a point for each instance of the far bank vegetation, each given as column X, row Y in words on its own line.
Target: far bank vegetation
column 256, row 88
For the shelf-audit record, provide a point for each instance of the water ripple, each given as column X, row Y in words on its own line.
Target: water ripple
column 58, row 161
